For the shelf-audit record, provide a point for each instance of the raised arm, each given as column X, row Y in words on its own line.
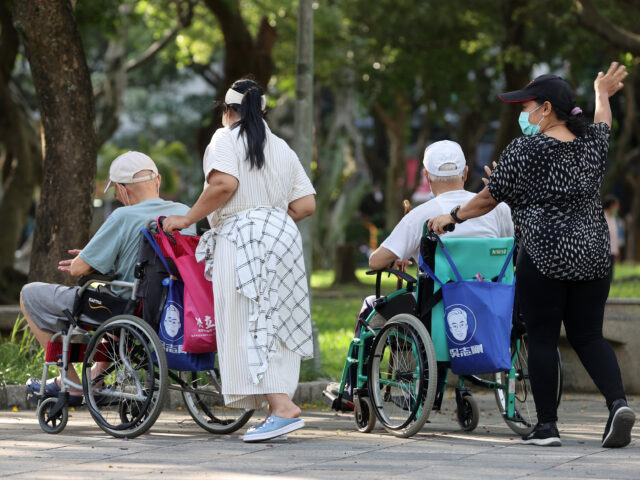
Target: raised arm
column 606, row 85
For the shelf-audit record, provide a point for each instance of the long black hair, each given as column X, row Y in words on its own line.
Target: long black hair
column 576, row 123
column 251, row 122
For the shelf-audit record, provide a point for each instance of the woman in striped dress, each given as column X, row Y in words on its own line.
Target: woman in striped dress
column 255, row 190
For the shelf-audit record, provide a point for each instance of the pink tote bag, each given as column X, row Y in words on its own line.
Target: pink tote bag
column 199, row 325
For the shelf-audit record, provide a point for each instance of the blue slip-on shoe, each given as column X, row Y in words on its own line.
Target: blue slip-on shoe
column 271, row 428
column 51, row 388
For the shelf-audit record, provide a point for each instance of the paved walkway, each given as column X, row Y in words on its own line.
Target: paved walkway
column 329, row 448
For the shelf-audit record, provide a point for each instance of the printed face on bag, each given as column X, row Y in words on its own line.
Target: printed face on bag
column 458, row 325
column 462, row 324
column 172, row 321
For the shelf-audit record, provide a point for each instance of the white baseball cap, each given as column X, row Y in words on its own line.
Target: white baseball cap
column 125, row 166
column 440, row 153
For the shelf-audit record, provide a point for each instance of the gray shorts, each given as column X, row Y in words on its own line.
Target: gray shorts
column 44, row 303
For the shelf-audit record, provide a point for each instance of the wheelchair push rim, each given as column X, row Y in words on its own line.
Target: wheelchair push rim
column 127, row 397
column 202, row 395
column 402, row 375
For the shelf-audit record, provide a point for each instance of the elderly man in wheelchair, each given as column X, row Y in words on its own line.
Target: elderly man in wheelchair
column 50, row 309
column 361, row 387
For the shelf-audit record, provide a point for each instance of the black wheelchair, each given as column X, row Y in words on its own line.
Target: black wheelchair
column 125, row 377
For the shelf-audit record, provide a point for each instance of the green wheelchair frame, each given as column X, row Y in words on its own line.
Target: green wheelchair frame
column 400, row 389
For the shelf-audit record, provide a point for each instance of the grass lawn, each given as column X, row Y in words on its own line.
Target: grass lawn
column 334, row 310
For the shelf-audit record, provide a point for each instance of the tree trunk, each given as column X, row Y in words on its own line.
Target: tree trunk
column 396, row 173
column 303, row 114
column 472, row 128
column 20, row 162
column 243, row 55
column 344, row 265
column 516, row 75
column 63, row 86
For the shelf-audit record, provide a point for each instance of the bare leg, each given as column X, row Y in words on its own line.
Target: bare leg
column 281, row 406
column 43, row 337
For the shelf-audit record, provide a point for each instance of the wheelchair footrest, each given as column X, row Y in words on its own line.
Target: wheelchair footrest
column 338, row 403
column 76, row 353
column 54, row 350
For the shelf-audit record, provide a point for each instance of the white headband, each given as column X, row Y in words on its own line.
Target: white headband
column 234, row 96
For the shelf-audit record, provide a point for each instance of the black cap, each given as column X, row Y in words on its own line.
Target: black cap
column 544, row 88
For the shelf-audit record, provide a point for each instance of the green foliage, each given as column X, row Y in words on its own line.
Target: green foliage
column 626, row 281
column 334, row 312
column 20, row 355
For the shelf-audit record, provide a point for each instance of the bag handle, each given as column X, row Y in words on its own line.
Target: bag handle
column 430, row 272
column 506, row 264
column 156, row 248
column 447, row 256
column 165, row 239
column 176, row 237
column 427, row 269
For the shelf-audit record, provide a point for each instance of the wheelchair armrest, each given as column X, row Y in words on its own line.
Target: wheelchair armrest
column 392, row 271
column 96, row 277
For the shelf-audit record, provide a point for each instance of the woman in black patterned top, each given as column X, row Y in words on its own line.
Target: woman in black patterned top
column 551, row 178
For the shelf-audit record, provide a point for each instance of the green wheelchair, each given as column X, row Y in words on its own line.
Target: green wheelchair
column 398, row 363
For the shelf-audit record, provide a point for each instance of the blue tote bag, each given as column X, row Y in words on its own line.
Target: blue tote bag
column 477, row 320
column 171, row 328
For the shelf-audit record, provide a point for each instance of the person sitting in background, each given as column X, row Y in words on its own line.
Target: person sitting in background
column 611, row 207
column 114, row 248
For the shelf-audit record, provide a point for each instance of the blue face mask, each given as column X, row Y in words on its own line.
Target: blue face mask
column 525, row 126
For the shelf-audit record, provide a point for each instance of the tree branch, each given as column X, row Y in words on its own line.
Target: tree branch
column 591, row 18
column 185, row 16
column 152, row 50
column 8, row 41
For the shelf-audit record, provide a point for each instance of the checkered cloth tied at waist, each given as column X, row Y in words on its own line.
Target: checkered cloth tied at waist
column 270, row 272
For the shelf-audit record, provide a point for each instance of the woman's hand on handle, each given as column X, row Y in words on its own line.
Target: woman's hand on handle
column 175, row 222
column 439, row 223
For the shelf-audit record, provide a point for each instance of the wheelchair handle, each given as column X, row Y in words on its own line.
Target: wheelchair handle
column 158, row 222
column 449, row 227
column 392, row 271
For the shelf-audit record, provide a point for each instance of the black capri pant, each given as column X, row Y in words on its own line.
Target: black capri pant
column 545, row 303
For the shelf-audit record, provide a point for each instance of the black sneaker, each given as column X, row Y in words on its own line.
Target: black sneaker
column 617, row 433
column 544, row 435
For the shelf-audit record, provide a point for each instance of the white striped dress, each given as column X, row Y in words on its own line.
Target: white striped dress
column 280, row 181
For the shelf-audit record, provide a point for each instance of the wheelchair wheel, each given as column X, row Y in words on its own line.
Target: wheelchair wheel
column 402, row 375
column 127, row 397
column 468, row 414
column 525, row 417
column 363, row 415
column 202, row 395
column 52, row 423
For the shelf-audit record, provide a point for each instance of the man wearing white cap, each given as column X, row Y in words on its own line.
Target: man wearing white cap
column 446, row 171
column 113, row 249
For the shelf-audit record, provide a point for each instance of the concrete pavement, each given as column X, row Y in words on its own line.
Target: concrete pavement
column 328, row 448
